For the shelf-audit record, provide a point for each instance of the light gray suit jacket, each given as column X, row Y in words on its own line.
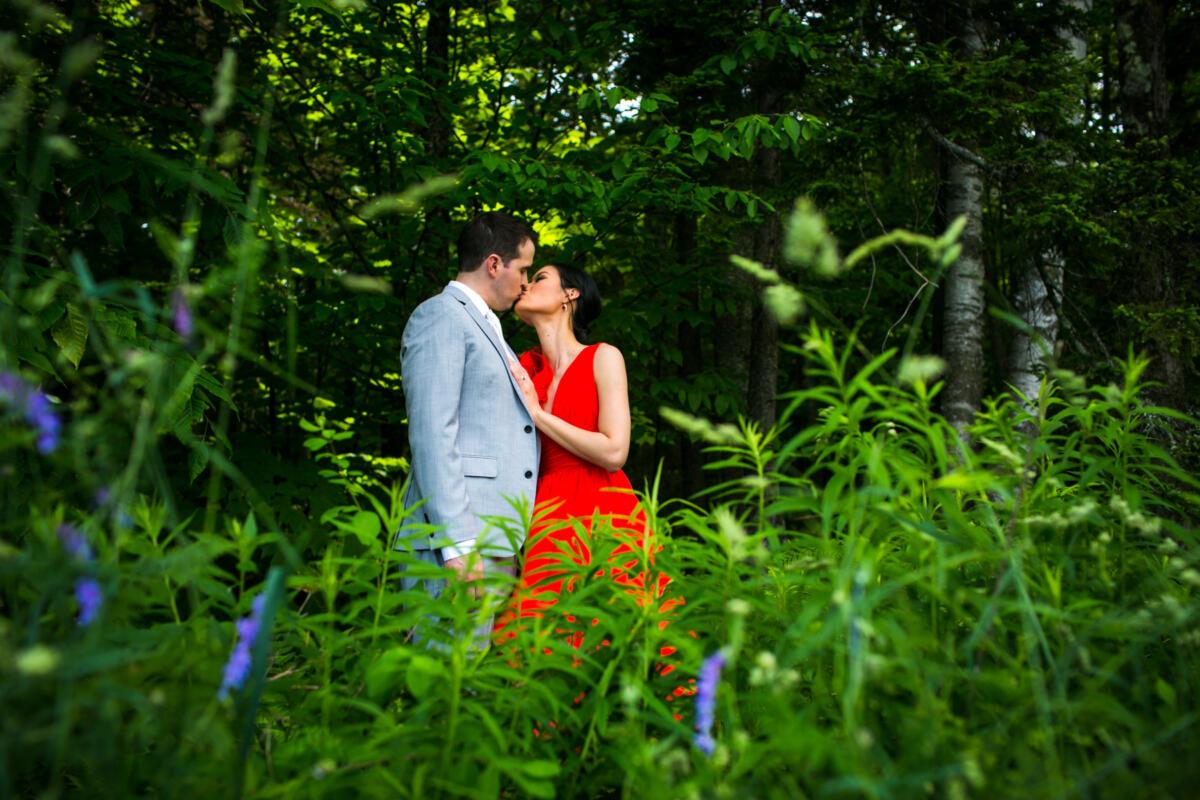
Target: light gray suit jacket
column 473, row 442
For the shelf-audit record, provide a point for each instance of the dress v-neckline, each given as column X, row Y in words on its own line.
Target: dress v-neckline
column 552, row 401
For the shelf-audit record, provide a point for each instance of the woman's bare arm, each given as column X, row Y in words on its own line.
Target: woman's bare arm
column 609, row 446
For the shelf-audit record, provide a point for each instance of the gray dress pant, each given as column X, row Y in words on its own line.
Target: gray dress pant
column 427, row 632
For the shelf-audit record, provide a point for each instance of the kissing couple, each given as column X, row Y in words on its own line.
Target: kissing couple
column 486, row 426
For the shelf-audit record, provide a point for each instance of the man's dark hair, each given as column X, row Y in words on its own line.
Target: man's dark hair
column 493, row 232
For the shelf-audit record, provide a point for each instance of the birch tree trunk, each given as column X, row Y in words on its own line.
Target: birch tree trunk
column 963, row 298
column 1039, row 288
column 1037, row 298
column 962, row 320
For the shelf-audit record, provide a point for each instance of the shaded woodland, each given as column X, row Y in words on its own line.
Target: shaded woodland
column 647, row 143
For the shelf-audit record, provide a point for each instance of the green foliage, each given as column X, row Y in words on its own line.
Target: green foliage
column 904, row 611
column 901, row 612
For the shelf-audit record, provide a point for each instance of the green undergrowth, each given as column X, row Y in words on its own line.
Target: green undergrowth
column 900, row 608
column 904, row 611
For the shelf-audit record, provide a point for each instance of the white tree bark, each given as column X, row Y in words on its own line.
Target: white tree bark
column 1037, row 299
column 1038, row 292
column 962, row 327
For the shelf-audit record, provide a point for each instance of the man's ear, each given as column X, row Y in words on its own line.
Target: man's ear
column 492, row 264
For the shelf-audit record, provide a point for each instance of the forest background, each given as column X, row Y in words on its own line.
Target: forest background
column 647, row 143
column 224, row 212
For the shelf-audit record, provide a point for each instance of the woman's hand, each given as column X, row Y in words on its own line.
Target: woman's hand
column 528, row 390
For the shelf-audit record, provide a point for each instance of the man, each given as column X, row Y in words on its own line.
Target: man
column 473, row 442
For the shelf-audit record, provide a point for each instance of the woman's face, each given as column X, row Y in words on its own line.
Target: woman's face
column 544, row 294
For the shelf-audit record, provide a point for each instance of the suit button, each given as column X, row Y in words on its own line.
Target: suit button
column 529, row 429
column 528, row 473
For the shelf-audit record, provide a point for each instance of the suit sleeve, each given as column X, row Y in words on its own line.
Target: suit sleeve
column 432, row 361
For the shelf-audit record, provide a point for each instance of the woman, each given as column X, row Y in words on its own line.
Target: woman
column 578, row 397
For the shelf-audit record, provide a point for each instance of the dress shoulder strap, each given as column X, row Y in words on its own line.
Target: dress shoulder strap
column 588, row 354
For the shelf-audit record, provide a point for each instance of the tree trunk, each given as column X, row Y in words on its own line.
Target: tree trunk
column 763, row 383
column 1145, row 89
column 1144, row 95
column 1039, row 288
column 1037, row 298
column 962, row 334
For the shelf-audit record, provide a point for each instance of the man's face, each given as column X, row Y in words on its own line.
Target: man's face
column 511, row 277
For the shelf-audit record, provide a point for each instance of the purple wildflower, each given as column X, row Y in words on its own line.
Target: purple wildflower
column 706, row 701
column 74, row 542
column 90, row 598
column 35, row 407
column 87, row 590
column 237, row 669
column 181, row 314
column 119, row 515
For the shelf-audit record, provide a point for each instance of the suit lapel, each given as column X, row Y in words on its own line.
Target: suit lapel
column 501, row 347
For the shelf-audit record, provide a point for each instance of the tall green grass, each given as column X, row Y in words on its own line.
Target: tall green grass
column 904, row 611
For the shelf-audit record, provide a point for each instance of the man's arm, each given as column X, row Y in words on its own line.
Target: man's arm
column 433, row 358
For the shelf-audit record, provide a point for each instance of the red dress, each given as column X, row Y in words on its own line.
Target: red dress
column 570, row 488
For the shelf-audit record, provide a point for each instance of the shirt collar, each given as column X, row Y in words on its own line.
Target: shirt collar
column 476, row 300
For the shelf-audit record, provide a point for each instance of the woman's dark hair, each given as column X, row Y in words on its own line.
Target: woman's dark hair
column 587, row 305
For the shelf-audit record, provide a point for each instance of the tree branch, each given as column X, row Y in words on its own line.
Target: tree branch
column 957, row 150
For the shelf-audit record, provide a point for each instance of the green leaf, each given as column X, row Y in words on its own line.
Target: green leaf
column 728, row 64
column 51, row 313
column 71, row 334
column 672, row 142
column 79, row 265
column 543, row 790
column 649, row 105
column 411, row 199
column 492, row 162
column 85, row 207
column 197, row 461
column 118, row 200
column 422, row 673
column 206, row 381
column 366, row 527
column 792, row 128
column 540, row 769
column 1165, row 691
column 275, row 592
column 382, row 673
column 170, row 244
